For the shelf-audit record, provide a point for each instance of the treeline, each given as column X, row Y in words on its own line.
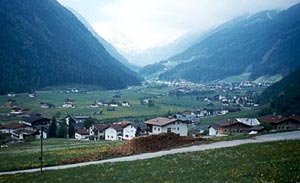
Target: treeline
column 284, row 96
column 43, row 44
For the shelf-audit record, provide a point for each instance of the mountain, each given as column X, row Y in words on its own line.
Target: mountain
column 284, row 96
column 264, row 45
column 163, row 52
column 44, row 44
column 108, row 47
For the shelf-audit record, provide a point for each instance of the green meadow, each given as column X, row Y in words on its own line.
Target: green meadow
column 56, row 152
column 165, row 104
column 250, row 163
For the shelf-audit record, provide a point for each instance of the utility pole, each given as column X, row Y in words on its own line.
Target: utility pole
column 41, row 157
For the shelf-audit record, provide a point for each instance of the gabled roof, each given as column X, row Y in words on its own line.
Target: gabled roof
column 13, row 126
column 160, row 121
column 120, row 125
column 249, row 121
column 101, row 127
column 24, row 132
column 227, row 122
column 271, row 119
column 82, row 131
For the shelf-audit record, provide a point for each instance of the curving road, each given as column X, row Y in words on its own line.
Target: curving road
column 258, row 139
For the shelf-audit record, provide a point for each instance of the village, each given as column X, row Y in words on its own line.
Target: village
column 125, row 130
column 213, row 99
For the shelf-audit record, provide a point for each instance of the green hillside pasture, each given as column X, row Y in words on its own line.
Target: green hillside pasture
column 24, row 156
column 250, row 163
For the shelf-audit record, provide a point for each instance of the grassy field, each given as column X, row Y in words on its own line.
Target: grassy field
column 56, row 151
column 267, row 162
column 164, row 103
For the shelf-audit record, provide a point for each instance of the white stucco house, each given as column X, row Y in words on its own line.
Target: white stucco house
column 97, row 131
column 120, row 131
column 164, row 125
column 212, row 130
column 82, row 134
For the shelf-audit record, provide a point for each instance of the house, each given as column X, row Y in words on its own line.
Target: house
column 97, row 131
column 69, row 103
column 76, row 119
column 123, row 130
column 17, row 131
column 213, row 130
column 10, row 103
column 199, row 130
column 10, row 128
column 96, row 104
column 11, row 95
column 82, row 134
column 126, row 104
column 21, row 134
column 16, row 111
column 44, row 105
column 282, row 123
column 32, row 95
column 165, row 125
column 238, row 125
column 35, row 121
column 185, row 117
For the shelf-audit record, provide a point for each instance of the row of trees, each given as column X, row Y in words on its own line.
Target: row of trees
column 62, row 130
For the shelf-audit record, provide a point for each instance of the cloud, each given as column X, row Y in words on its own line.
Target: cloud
column 146, row 23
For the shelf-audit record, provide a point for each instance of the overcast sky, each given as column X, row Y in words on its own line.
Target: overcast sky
column 140, row 24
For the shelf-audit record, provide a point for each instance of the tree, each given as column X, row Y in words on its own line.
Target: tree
column 52, row 132
column 62, row 131
column 71, row 130
column 138, row 131
column 89, row 122
column 150, row 103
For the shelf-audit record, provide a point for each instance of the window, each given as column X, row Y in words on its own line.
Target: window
column 168, row 130
column 126, row 136
column 158, row 129
column 154, row 128
column 178, row 128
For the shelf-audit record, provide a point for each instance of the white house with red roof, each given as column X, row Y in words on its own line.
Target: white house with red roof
column 82, row 134
column 123, row 130
column 165, row 125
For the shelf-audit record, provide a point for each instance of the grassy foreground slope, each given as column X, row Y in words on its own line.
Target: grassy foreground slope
column 266, row 162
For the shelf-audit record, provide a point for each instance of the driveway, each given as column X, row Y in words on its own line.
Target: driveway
column 258, row 139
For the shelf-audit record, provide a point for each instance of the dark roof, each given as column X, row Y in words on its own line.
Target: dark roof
column 271, row 119
column 257, row 128
column 296, row 117
column 13, row 126
column 101, row 127
column 82, row 131
column 160, row 121
column 24, row 132
column 79, row 125
column 36, row 120
column 120, row 125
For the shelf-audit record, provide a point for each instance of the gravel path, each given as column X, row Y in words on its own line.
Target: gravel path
column 258, row 139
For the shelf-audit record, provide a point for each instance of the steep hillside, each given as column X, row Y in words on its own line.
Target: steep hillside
column 262, row 45
column 108, row 47
column 44, row 44
column 284, row 95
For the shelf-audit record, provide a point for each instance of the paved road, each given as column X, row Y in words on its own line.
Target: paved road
column 257, row 139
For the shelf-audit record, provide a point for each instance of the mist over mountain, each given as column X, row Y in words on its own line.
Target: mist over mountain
column 258, row 47
column 108, row 47
column 44, row 44
column 163, row 52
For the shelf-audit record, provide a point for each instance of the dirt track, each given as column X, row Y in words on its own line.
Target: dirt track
column 257, row 139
